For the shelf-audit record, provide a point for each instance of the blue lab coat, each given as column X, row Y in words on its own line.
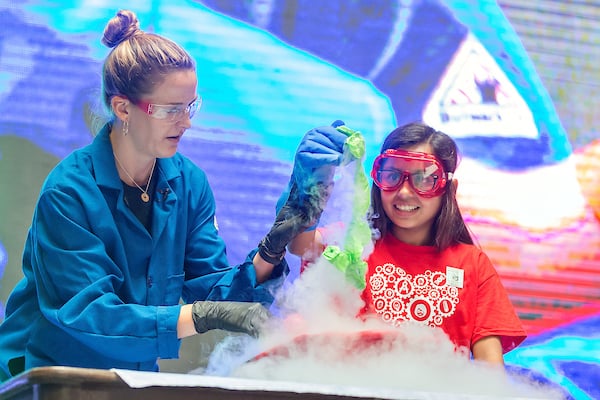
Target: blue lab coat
column 100, row 291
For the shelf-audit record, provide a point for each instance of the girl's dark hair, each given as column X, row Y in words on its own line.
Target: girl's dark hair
column 449, row 227
column 138, row 60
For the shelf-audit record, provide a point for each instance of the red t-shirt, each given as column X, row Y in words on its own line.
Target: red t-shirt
column 457, row 290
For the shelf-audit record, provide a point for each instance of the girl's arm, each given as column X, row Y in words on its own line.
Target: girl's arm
column 308, row 245
column 488, row 349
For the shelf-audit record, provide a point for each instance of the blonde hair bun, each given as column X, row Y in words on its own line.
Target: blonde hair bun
column 120, row 27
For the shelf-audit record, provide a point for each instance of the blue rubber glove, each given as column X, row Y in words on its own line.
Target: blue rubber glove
column 319, row 152
column 300, row 206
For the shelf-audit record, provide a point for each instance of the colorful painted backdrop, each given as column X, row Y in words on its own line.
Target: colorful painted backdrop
column 271, row 69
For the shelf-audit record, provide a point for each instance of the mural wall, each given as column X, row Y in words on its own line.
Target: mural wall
column 269, row 70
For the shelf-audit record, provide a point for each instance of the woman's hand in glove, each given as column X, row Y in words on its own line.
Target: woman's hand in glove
column 320, row 150
column 292, row 219
column 231, row 316
column 300, row 207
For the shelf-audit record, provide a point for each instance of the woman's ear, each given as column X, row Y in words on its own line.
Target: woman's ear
column 120, row 106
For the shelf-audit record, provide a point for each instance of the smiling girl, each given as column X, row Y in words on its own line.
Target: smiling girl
column 425, row 267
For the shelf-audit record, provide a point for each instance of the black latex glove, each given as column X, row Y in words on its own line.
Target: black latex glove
column 294, row 217
column 230, row 316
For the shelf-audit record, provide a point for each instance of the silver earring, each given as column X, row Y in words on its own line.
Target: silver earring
column 125, row 127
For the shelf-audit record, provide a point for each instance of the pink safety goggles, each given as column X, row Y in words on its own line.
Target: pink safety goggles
column 424, row 172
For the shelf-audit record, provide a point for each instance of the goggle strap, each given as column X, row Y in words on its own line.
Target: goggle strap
column 431, row 169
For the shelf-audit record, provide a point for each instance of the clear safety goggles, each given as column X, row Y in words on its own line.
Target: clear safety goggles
column 423, row 171
column 170, row 112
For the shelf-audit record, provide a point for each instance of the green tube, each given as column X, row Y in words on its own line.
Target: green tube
column 349, row 259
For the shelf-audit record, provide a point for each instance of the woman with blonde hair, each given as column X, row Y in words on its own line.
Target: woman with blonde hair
column 124, row 229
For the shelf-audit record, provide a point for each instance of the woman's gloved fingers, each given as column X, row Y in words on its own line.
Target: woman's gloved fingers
column 244, row 317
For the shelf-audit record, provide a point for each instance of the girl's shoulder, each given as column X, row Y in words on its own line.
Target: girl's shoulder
column 468, row 252
column 465, row 248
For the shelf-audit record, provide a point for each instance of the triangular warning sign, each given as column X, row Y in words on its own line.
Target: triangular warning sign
column 475, row 98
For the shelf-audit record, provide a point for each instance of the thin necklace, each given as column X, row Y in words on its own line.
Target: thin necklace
column 145, row 196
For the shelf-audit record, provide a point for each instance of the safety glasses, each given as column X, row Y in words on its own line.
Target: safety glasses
column 170, row 112
column 423, row 171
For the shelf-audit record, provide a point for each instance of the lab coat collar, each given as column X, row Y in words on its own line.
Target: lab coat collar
column 104, row 164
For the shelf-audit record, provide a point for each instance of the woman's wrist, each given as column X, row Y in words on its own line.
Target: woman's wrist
column 185, row 323
column 263, row 268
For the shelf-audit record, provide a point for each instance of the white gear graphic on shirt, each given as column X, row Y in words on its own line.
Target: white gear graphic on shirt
column 424, row 298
